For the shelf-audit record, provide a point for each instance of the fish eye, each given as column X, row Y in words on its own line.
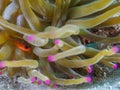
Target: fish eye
column 27, row 47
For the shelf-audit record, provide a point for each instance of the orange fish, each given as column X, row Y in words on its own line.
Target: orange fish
column 21, row 44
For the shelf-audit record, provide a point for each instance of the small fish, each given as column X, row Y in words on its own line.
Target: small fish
column 21, row 44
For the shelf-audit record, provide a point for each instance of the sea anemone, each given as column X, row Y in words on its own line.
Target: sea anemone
column 39, row 38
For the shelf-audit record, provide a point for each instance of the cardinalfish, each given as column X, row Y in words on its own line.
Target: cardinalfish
column 21, row 44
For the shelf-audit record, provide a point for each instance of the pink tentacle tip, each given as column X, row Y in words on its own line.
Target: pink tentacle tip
column 56, row 42
column 55, row 86
column 50, row 58
column 2, row 65
column 71, row 77
column 1, row 72
column 115, row 49
column 33, row 79
column 47, row 82
column 39, row 82
column 115, row 66
column 88, row 79
column 30, row 38
column 13, row 60
column 90, row 69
